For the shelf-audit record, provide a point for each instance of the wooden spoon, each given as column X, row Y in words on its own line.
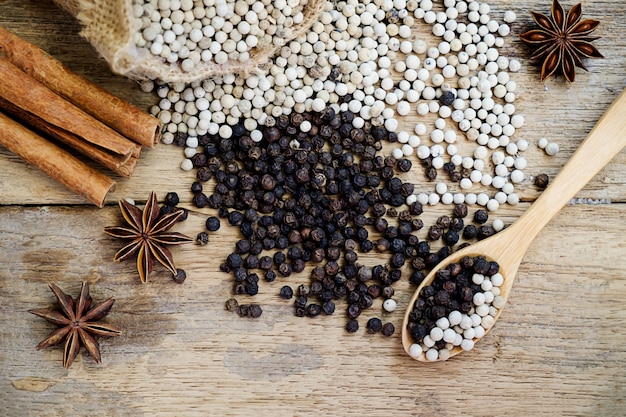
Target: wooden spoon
column 606, row 139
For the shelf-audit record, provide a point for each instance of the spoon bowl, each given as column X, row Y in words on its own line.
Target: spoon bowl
column 508, row 247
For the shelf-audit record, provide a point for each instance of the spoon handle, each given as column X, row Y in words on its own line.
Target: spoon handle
column 604, row 142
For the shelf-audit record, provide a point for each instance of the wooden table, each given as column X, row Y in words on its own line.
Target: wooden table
column 558, row 349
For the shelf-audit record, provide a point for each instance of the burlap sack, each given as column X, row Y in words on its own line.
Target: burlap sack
column 109, row 26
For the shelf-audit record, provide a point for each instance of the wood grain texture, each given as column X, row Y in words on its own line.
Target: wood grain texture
column 557, row 350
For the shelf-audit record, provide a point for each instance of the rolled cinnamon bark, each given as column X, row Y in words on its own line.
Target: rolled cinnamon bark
column 120, row 164
column 24, row 92
column 55, row 162
column 114, row 112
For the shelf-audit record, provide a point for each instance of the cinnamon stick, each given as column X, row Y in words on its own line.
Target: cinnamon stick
column 114, row 112
column 55, row 162
column 30, row 96
column 120, row 164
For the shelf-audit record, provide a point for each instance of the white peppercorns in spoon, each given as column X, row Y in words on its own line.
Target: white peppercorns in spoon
column 507, row 248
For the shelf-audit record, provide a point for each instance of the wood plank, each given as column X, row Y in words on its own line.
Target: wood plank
column 560, row 112
column 557, row 342
column 557, row 349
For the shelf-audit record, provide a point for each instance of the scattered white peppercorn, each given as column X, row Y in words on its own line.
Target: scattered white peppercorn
column 389, row 305
column 552, row 149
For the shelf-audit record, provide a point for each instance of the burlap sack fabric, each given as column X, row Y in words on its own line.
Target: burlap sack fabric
column 109, row 26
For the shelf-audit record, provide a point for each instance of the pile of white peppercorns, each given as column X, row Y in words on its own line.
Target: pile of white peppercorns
column 364, row 56
column 189, row 32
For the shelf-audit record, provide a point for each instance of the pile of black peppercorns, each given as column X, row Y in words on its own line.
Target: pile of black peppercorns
column 319, row 197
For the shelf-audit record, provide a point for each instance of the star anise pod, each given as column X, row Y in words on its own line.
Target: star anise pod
column 149, row 234
column 562, row 41
column 80, row 321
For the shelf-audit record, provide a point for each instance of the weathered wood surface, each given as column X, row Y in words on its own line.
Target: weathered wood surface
column 558, row 348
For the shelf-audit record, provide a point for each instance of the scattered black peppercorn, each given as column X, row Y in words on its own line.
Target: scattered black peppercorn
column 212, row 224
column 180, row 276
column 286, row 292
column 202, row 238
column 481, row 216
column 171, row 199
column 542, row 181
column 374, row 325
column 231, row 304
column 352, row 326
column 447, row 98
column 388, row 329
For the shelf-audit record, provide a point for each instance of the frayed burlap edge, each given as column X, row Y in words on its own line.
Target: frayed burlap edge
column 110, row 27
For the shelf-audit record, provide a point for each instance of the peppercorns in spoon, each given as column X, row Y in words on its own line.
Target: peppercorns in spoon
column 461, row 298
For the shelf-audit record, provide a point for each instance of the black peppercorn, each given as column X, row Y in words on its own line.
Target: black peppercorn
column 212, row 224
column 374, row 325
column 231, row 304
column 485, row 232
column 301, row 301
column 166, row 209
column 171, row 199
column 481, row 216
column 352, row 326
column 313, row 310
column 180, row 276
column 286, row 292
column 447, row 98
column 270, row 276
column 284, row 269
column 234, row 260
column 200, row 200
column 460, row 210
column 470, row 232
column 254, row 311
column 457, row 224
column 328, row 307
column 203, row 174
column 451, row 237
column 354, row 310
column 542, row 181
column 252, row 288
column 434, row 232
column 388, row 329
column 397, row 260
column 196, row 187
column 417, row 277
column 387, row 291
column 404, row 165
column 202, row 238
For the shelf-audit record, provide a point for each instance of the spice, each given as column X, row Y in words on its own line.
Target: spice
column 149, row 233
column 374, row 325
column 202, row 238
column 389, row 305
column 388, row 329
column 286, row 292
column 80, row 321
column 562, row 41
column 212, row 224
column 231, row 304
column 542, row 181
column 180, row 276
column 454, row 310
column 252, row 311
column 352, row 326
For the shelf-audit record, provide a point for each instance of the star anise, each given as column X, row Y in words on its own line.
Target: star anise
column 562, row 41
column 80, row 321
column 149, row 234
